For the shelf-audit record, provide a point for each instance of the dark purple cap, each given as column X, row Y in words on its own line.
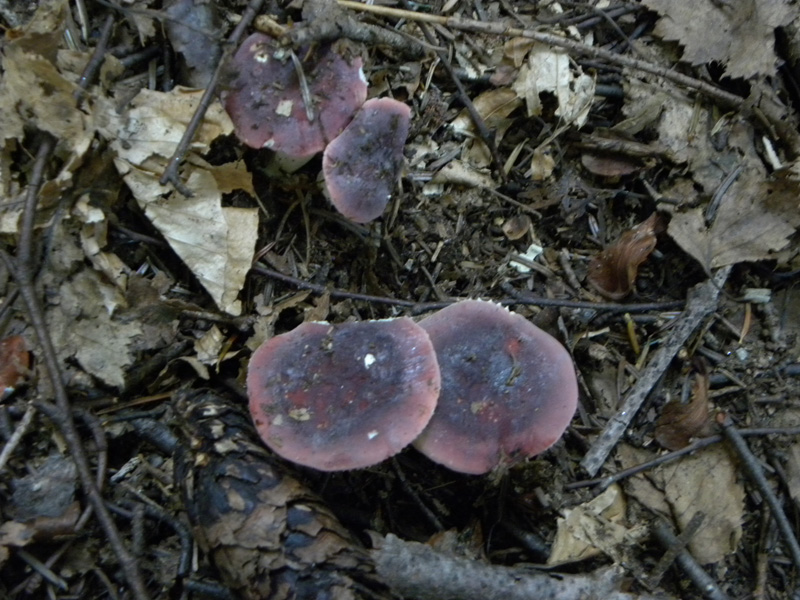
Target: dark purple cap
column 336, row 397
column 266, row 104
column 362, row 165
column 509, row 389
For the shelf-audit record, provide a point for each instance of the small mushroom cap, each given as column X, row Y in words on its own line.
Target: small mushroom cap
column 509, row 389
column 336, row 397
column 266, row 103
column 362, row 165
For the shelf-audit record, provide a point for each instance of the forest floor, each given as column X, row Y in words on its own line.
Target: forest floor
column 624, row 175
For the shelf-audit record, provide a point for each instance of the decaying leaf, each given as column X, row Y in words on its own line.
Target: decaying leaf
column 549, row 70
column 679, row 423
column 493, row 106
column 739, row 35
column 613, row 271
column 707, row 482
column 609, row 165
column 14, row 364
column 595, row 527
column 755, row 219
column 217, row 243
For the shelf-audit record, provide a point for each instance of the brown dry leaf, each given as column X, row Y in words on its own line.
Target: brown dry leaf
column 679, row 423
column 493, row 106
column 14, row 364
column 707, row 482
column 755, row 219
column 740, row 35
column 613, row 271
column 609, row 165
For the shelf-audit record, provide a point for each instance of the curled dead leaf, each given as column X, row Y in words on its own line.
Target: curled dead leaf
column 14, row 364
column 680, row 423
column 613, row 271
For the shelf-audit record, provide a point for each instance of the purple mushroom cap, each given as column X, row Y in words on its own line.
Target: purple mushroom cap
column 509, row 389
column 265, row 101
column 336, row 397
column 362, row 165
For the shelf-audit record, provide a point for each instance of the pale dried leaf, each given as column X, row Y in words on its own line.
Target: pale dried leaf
column 740, row 35
column 549, row 70
column 755, row 219
column 707, row 482
column 793, row 472
column 217, row 243
column 592, row 528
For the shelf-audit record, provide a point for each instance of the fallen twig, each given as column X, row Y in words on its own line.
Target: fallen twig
column 701, row 302
column 170, row 174
column 415, row 570
column 756, row 475
column 693, row 570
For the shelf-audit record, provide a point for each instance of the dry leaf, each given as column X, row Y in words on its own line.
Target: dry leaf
column 613, row 271
column 755, row 219
column 679, row 423
column 592, row 528
column 217, row 243
column 707, row 482
column 14, row 364
column 493, row 106
column 609, row 165
column 549, row 70
column 738, row 34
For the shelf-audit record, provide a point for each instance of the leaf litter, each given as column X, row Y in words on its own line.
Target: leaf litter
column 135, row 268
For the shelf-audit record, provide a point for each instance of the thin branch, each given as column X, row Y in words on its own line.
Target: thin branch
column 170, row 174
column 756, row 474
column 701, row 302
column 420, row 307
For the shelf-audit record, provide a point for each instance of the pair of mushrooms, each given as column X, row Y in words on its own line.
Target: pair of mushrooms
column 312, row 101
column 473, row 387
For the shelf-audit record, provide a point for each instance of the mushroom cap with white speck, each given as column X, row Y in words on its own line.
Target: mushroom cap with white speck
column 346, row 396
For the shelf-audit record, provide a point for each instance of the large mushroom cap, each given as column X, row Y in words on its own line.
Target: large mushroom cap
column 347, row 396
column 362, row 165
column 266, row 103
column 509, row 389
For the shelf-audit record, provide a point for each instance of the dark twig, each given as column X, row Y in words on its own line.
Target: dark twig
column 693, row 570
column 701, row 302
column 98, row 56
column 170, row 174
column 60, row 413
column 420, row 307
column 756, row 475
column 604, row 482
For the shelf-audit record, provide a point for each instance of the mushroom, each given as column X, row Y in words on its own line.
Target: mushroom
column 267, row 100
column 509, row 389
column 362, row 165
column 347, row 396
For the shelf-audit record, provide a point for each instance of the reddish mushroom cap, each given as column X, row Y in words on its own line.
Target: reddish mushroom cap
column 266, row 104
column 509, row 389
column 362, row 165
column 347, row 396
